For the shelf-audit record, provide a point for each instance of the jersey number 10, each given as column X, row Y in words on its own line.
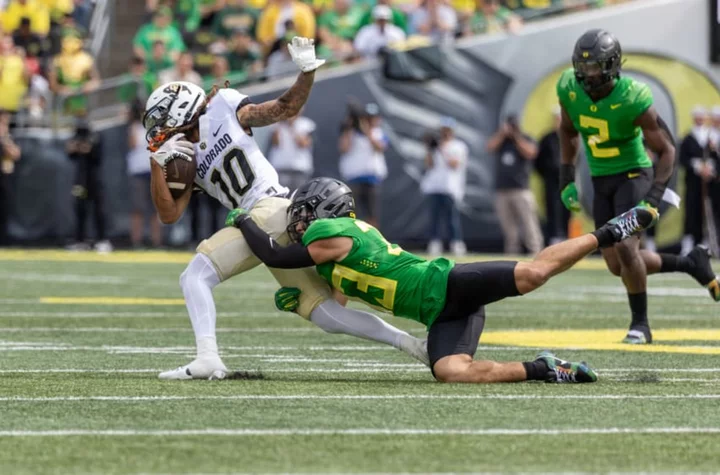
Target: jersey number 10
column 236, row 177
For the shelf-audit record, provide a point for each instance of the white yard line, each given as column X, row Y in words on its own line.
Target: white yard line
column 361, row 397
column 152, row 330
column 361, row 432
column 114, row 315
column 370, row 367
column 419, row 369
column 658, row 370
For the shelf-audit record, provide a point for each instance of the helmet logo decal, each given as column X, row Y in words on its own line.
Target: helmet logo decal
column 175, row 88
column 572, row 95
column 586, row 54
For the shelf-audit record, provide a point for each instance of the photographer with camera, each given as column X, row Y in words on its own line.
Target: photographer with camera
column 514, row 202
column 444, row 184
column 9, row 154
column 85, row 149
column 362, row 157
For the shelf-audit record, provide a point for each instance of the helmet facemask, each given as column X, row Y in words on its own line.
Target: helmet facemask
column 159, row 122
column 300, row 213
column 594, row 75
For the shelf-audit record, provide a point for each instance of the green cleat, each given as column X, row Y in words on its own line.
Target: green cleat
column 561, row 371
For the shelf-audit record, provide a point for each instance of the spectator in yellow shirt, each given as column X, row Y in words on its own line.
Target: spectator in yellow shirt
column 73, row 73
column 19, row 9
column 14, row 75
column 271, row 25
column 58, row 8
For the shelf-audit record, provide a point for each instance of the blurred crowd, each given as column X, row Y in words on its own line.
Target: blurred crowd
column 209, row 41
column 42, row 52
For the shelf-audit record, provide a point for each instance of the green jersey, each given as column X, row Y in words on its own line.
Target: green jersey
column 613, row 143
column 381, row 274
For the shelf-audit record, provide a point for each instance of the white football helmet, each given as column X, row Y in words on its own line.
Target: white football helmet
column 171, row 105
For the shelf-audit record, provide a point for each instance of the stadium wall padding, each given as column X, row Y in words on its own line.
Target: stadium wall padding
column 478, row 82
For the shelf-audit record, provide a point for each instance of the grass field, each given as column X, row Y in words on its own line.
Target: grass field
column 83, row 337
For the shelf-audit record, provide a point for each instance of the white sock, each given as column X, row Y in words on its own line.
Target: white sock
column 197, row 282
column 334, row 318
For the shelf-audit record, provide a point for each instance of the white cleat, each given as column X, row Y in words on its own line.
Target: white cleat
column 416, row 348
column 201, row 368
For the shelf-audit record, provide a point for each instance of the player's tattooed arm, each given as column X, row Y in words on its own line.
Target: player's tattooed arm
column 286, row 106
column 659, row 140
column 569, row 139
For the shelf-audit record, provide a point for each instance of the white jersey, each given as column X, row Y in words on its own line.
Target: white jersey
column 230, row 166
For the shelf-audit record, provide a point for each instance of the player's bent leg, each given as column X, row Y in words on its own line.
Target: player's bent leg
column 197, row 283
column 334, row 318
column 220, row 257
column 611, row 261
column 696, row 264
column 453, row 341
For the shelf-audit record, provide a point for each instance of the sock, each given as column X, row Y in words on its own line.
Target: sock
column 334, row 318
column 673, row 263
column 604, row 236
column 197, row 282
column 638, row 307
column 536, row 370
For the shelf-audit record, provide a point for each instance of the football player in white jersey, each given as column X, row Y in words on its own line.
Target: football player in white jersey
column 183, row 122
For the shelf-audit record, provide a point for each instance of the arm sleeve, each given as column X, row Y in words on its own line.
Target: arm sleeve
column 272, row 254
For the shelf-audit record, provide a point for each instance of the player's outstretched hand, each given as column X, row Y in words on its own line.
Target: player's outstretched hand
column 175, row 147
column 302, row 52
column 569, row 197
column 287, row 299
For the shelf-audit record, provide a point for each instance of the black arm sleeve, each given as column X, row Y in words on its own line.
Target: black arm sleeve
column 294, row 256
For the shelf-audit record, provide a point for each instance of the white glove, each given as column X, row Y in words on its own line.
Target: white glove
column 175, row 147
column 302, row 51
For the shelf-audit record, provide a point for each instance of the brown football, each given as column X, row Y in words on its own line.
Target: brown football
column 179, row 175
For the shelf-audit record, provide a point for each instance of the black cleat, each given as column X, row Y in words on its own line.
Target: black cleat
column 702, row 271
column 638, row 335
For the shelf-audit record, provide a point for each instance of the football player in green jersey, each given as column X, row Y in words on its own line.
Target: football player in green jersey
column 612, row 113
column 449, row 299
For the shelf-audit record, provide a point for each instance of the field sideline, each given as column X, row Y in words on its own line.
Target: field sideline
column 82, row 338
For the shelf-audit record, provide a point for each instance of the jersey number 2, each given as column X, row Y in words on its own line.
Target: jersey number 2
column 602, row 136
column 236, row 177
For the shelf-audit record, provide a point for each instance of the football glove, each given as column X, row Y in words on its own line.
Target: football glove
column 175, row 147
column 236, row 216
column 302, row 52
column 569, row 197
column 287, row 299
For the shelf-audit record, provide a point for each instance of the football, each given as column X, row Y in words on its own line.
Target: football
column 179, row 175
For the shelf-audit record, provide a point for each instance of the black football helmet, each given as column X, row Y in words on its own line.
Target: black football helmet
column 597, row 59
column 316, row 199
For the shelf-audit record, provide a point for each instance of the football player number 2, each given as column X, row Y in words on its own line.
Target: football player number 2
column 236, row 176
column 602, row 136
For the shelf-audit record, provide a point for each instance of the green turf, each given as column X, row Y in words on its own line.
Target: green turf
column 332, row 403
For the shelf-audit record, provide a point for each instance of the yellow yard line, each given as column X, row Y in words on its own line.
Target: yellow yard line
column 606, row 340
column 118, row 257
